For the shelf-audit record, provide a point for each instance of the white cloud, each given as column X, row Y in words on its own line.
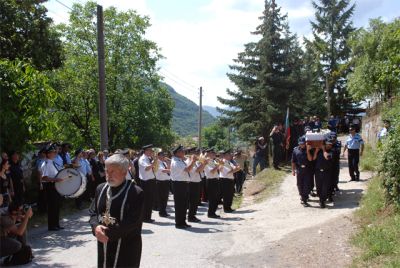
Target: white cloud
column 200, row 52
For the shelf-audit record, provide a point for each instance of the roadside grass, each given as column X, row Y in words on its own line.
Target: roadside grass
column 266, row 183
column 379, row 234
column 369, row 160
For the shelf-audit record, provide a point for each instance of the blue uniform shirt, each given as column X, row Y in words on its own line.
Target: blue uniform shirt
column 299, row 157
column 354, row 142
column 58, row 161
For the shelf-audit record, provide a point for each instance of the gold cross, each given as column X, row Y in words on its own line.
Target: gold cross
column 107, row 219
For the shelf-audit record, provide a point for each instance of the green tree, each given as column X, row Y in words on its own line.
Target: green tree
column 269, row 78
column 215, row 136
column 139, row 108
column 376, row 61
column 26, row 34
column 26, row 102
column 331, row 30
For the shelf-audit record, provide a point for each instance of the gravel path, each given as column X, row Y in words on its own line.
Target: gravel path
column 276, row 233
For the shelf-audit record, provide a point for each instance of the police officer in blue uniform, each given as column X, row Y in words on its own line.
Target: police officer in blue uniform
column 323, row 170
column 301, row 168
column 355, row 146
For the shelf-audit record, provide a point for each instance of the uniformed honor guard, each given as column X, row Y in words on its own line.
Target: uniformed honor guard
column 355, row 146
column 180, row 176
column 147, row 181
column 226, row 170
column 163, row 184
column 301, row 168
column 195, row 185
column 116, row 217
column 211, row 172
column 336, row 149
column 49, row 170
column 323, row 171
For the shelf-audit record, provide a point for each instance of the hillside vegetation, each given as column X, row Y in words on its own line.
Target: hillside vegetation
column 185, row 114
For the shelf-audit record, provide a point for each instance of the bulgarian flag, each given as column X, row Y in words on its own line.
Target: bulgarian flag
column 287, row 128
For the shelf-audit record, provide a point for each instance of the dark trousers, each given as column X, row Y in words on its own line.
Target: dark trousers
column 228, row 189
column 149, row 191
column 204, row 196
column 162, row 194
column 194, row 198
column 181, row 199
column 303, row 183
column 53, row 205
column 213, row 194
column 259, row 160
column 277, row 155
column 240, row 177
column 353, row 160
column 322, row 180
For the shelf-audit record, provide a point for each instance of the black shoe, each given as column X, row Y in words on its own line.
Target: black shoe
column 214, row 216
column 305, row 204
column 229, row 210
column 164, row 215
column 60, row 228
column 149, row 221
column 180, row 226
column 322, row 204
column 352, row 179
column 194, row 219
column 187, row 225
column 53, row 229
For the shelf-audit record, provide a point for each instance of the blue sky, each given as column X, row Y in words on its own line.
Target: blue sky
column 199, row 38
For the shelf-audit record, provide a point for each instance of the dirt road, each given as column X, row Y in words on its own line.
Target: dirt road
column 278, row 232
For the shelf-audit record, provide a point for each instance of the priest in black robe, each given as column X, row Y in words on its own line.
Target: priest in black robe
column 115, row 217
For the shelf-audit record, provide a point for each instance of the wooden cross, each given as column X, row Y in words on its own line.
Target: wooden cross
column 107, row 219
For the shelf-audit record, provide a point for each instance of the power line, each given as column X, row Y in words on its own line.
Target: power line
column 181, row 84
column 183, row 81
column 61, row 3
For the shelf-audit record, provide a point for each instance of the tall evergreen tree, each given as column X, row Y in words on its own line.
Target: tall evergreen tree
column 331, row 30
column 268, row 75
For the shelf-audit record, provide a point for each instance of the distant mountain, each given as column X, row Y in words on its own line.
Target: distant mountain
column 185, row 114
column 212, row 110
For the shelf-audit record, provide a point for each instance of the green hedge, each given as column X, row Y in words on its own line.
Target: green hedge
column 390, row 155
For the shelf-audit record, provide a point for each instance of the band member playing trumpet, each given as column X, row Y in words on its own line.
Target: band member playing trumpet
column 211, row 172
column 180, row 175
column 147, row 181
column 195, row 185
column 163, row 180
column 226, row 171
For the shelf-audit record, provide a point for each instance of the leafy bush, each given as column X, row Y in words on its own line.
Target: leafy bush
column 390, row 156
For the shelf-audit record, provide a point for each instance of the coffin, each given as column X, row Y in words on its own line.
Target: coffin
column 315, row 139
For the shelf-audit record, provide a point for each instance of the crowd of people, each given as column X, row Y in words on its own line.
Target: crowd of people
column 126, row 187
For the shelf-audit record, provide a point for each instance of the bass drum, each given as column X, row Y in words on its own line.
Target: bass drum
column 73, row 185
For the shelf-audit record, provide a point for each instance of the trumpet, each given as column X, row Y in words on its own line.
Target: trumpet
column 202, row 159
column 155, row 159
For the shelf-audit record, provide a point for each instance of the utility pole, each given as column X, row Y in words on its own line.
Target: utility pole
column 102, row 80
column 200, row 115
